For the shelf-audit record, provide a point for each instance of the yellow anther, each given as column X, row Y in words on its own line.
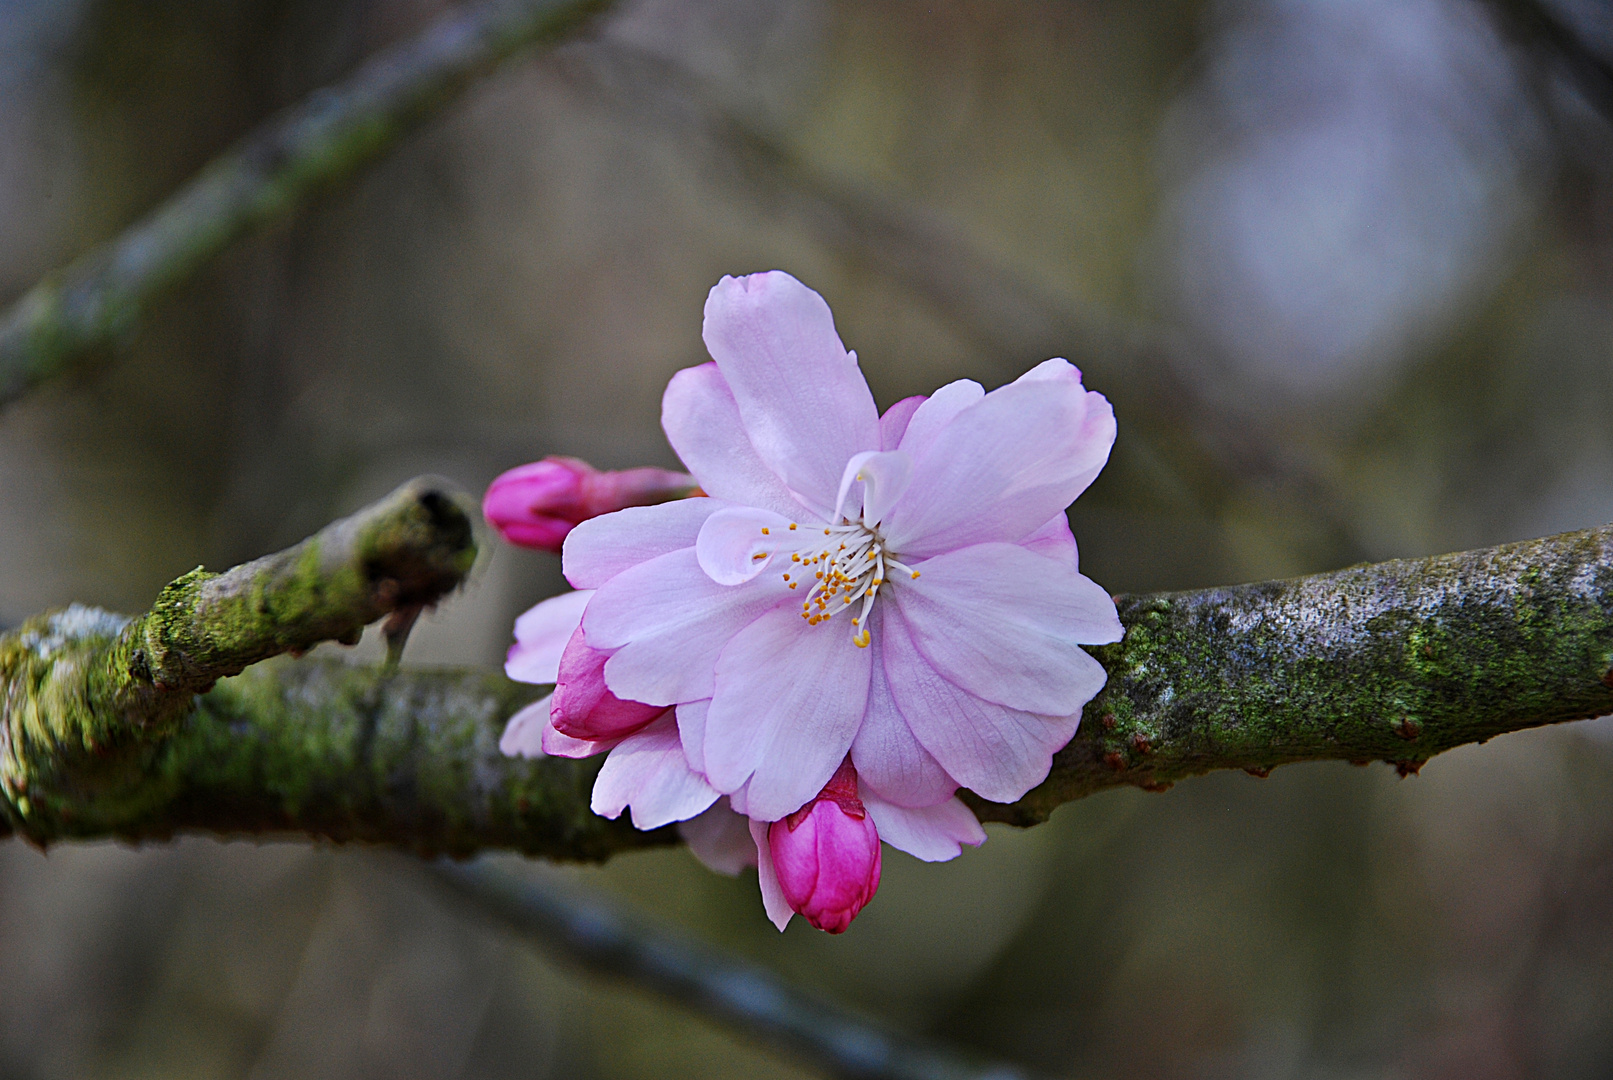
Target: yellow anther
column 793, row 584
column 792, row 525
column 861, row 640
column 915, row 574
column 796, row 556
column 759, row 555
column 826, row 532
column 764, row 530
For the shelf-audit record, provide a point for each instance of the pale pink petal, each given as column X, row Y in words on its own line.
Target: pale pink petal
column 788, row 700
column 692, row 732
column 647, row 771
column 702, row 423
column 720, row 838
column 997, row 752
column 602, row 547
column 666, row 621
column 894, row 423
column 777, row 907
column 739, row 542
column 1054, row 541
column 887, row 755
column 932, row 833
column 1002, row 467
column 1003, row 623
column 1057, row 369
column 802, row 398
column 541, row 635
column 523, row 735
column 937, row 412
column 879, row 477
column 559, row 744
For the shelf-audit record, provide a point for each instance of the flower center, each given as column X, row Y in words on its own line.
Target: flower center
column 848, row 568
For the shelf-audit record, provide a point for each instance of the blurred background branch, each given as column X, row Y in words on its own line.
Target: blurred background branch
column 602, row 940
column 97, row 303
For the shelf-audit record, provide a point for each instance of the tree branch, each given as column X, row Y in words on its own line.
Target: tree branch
column 1396, row 662
column 98, row 302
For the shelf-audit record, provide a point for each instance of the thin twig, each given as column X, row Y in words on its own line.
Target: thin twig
column 98, row 302
column 747, row 997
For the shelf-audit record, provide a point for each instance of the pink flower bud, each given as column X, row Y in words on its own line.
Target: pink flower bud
column 583, row 706
column 536, row 505
column 827, row 855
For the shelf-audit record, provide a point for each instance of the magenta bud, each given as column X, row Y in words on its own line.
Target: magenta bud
column 827, row 854
column 583, row 706
column 536, row 505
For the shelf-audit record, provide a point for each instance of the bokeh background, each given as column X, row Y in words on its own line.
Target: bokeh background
column 1343, row 267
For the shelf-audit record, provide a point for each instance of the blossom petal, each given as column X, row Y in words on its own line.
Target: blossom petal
column 559, row 744
column 937, row 412
column 1054, row 541
column 778, row 909
column 692, row 732
column 738, row 542
column 893, row 424
column 701, row 421
column 1002, row 467
column 647, row 771
column 802, row 398
column 883, row 476
column 720, row 838
column 997, row 752
column 932, row 833
column 541, row 635
column 1004, row 623
column 602, row 547
column 523, row 735
column 888, row 757
column 788, row 701
column 583, row 706
column 667, row 621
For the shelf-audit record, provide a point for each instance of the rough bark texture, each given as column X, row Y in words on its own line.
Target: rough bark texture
column 1395, row 662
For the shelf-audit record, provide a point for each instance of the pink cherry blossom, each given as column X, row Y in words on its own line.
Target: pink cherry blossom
column 895, row 595
column 825, row 857
column 536, row 505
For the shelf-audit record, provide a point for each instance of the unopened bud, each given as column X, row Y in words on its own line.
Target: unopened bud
column 827, row 855
column 536, row 505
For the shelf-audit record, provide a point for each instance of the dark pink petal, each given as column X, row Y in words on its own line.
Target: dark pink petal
column 599, row 549
column 647, row 771
column 932, row 833
column 997, row 752
column 665, row 622
column 894, row 422
column 788, row 699
column 827, row 858
column 701, row 421
column 584, row 707
column 1002, row 467
column 801, row 396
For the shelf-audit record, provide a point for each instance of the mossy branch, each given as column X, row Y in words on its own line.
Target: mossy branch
column 1396, row 662
column 96, row 304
